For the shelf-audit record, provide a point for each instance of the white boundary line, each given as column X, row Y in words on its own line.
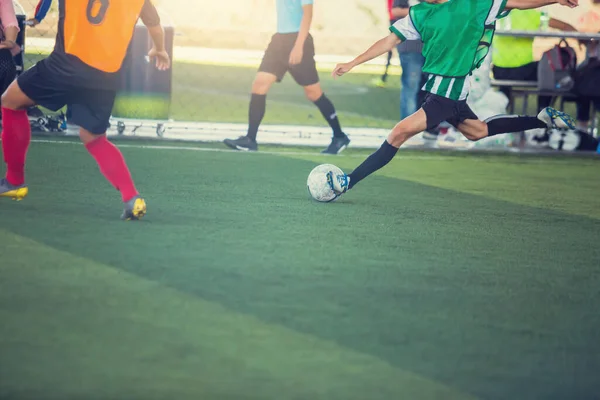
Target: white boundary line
column 214, row 150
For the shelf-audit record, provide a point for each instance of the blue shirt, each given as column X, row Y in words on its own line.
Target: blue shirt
column 289, row 15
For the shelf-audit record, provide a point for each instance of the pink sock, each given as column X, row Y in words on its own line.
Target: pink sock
column 16, row 135
column 113, row 166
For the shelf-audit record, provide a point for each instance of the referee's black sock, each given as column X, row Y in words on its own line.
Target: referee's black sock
column 328, row 110
column 375, row 161
column 256, row 112
column 512, row 123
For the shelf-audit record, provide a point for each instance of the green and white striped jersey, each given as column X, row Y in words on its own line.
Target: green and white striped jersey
column 449, row 63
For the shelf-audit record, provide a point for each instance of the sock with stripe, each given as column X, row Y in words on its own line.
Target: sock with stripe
column 113, row 166
column 328, row 110
column 16, row 136
column 512, row 123
column 256, row 112
column 374, row 162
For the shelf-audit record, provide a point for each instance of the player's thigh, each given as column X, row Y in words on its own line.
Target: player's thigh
column 305, row 73
column 263, row 82
column 276, row 58
column 14, row 98
column 438, row 109
column 91, row 110
column 407, row 128
column 37, row 85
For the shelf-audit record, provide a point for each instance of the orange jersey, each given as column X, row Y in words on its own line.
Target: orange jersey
column 98, row 32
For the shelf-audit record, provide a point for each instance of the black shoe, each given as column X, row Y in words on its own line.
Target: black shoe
column 243, row 143
column 337, row 145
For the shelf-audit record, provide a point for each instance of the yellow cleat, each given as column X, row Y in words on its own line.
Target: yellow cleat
column 134, row 210
column 17, row 193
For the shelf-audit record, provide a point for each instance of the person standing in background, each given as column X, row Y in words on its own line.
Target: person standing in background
column 512, row 57
column 382, row 80
column 8, row 43
column 291, row 49
column 411, row 61
column 40, row 12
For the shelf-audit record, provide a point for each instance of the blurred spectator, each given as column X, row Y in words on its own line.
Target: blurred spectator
column 412, row 62
column 8, row 45
column 381, row 81
column 588, row 77
column 40, row 12
column 513, row 56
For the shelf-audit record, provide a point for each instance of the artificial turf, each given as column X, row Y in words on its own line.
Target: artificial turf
column 442, row 276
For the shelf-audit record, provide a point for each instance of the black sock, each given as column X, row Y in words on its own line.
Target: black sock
column 387, row 67
column 256, row 112
column 512, row 123
column 375, row 161
column 328, row 110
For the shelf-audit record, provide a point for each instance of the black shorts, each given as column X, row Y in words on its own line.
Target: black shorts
column 90, row 108
column 439, row 109
column 276, row 60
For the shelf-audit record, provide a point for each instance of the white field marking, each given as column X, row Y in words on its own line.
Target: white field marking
column 206, row 149
column 442, row 157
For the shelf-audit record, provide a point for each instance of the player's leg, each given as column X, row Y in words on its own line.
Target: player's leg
column 256, row 111
column 273, row 68
column 412, row 66
column 435, row 109
column 387, row 66
column 16, row 136
column 382, row 80
column 473, row 129
column 339, row 140
column 91, row 110
column 306, row 75
column 16, row 132
column 403, row 131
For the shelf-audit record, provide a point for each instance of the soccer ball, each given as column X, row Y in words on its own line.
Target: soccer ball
column 318, row 186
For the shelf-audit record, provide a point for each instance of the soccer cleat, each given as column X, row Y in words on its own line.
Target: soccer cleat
column 134, row 210
column 338, row 183
column 243, row 143
column 15, row 192
column 337, row 145
column 556, row 119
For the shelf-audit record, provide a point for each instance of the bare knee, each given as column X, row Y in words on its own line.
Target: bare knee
column 313, row 92
column 88, row 137
column 408, row 128
column 14, row 98
column 400, row 134
column 262, row 83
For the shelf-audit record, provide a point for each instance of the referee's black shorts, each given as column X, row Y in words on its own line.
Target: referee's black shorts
column 276, row 60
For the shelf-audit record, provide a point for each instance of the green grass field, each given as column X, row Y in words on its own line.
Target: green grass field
column 444, row 276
